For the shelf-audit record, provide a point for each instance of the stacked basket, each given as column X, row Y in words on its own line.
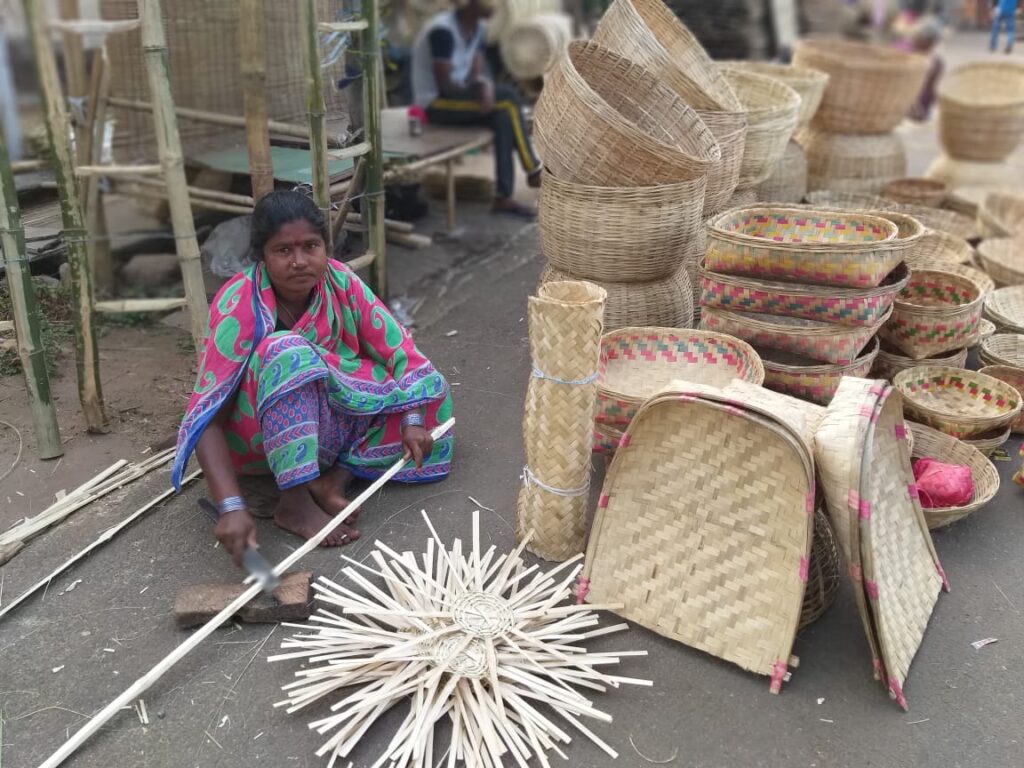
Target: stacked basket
column 850, row 145
column 808, row 289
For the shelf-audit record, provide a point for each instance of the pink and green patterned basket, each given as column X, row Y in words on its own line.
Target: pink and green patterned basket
column 835, row 248
column 810, row 380
column 845, row 306
column 822, row 342
column 956, row 401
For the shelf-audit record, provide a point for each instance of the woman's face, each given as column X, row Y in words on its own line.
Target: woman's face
column 296, row 259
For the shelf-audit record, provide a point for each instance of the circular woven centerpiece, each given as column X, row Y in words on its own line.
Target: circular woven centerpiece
column 470, row 661
column 481, row 614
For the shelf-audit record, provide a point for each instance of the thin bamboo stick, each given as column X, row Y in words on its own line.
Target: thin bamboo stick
column 154, row 44
column 374, row 208
column 153, row 169
column 201, row 192
column 252, row 39
column 90, row 392
column 135, row 189
column 353, row 150
column 94, row 26
column 74, row 51
column 123, row 306
column 25, row 166
column 346, row 201
column 316, row 110
column 25, row 308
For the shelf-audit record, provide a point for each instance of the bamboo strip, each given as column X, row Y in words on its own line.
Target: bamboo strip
column 123, row 306
column 78, row 26
column 342, row 26
column 354, row 150
column 26, row 166
column 119, row 170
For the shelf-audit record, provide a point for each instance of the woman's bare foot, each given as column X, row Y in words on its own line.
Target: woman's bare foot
column 329, row 491
column 510, row 207
column 297, row 512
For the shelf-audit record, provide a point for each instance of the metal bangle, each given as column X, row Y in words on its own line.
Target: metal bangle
column 230, row 504
column 412, row 419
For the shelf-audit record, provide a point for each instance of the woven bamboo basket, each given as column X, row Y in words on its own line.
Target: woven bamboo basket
column 1003, row 259
column 565, row 340
column 870, row 88
column 803, row 416
column 725, row 175
column 951, row 222
column 663, row 303
column 834, row 199
column 809, row 379
column 972, row 175
column 889, row 362
column 1013, row 376
column 989, row 442
column 584, row 229
column 772, row 109
column 638, row 362
column 788, row 182
column 935, row 312
column 1003, row 349
column 647, row 32
column 956, row 401
column 916, row 191
column 843, row 306
column 981, row 279
column 605, row 120
column 529, row 47
column 936, row 247
column 825, row 248
column 823, row 342
column 711, row 502
column 938, row 445
column 852, row 163
column 1005, row 308
column 742, row 198
column 808, row 83
column 1001, row 214
column 822, row 571
column 981, row 110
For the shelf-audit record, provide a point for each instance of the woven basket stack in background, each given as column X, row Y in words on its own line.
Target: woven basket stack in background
column 850, row 145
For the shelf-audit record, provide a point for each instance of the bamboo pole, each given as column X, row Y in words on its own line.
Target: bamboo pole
column 74, row 52
column 316, row 111
column 91, row 152
column 26, row 166
column 90, row 392
column 154, row 45
column 154, row 674
column 25, row 308
column 373, row 210
column 252, row 40
column 346, row 201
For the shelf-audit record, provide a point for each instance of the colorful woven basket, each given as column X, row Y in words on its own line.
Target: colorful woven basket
column 1001, row 214
column 1003, row 349
column 956, row 401
column 823, row 342
column 890, row 362
column 1013, row 376
column 1005, row 308
column 825, row 248
column 981, row 110
column 938, row 445
column 1003, row 259
column 935, row 312
column 844, row 306
column 916, row 191
column 810, row 380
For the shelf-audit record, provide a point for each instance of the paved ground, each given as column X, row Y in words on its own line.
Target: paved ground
column 214, row 709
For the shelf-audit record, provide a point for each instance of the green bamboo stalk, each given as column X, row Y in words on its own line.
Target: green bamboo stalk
column 90, row 392
column 154, row 47
column 372, row 97
column 316, row 110
column 27, row 317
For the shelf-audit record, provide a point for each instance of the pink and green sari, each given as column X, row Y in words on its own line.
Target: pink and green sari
column 361, row 365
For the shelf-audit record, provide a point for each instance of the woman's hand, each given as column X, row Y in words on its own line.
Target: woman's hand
column 236, row 531
column 418, row 443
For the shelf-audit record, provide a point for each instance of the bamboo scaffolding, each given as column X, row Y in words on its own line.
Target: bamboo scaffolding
column 316, row 110
column 90, row 392
column 143, row 683
column 154, row 44
column 252, row 40
column 25, row 309
column 374, row 195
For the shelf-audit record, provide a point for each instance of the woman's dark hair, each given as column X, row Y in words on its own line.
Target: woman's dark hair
column 277, row 208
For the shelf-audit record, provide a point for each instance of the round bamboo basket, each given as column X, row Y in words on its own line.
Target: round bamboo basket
column 937, row 445
column 956, row 401
column 1003, row 259
column 842, row 200
column 664, row 303
column 914, row 191
column 988, row 442
column 981, row 279
column 1013, row 376
column 870, row 89
column 808, row 83
column 1005, row 308
column 602, row 119
column 936, row 312
column 822, row 571
column 936, row 247
column 852, row 163
column 951, row 222
column 809, row 379
column 788, row 182
column 742, row 198
column 1003, row 349
column 619, row 234
column 981, row 110
column 772, row 109
column 725, row 175
column 529, row 47
column 1001, row 214
column 889, row 362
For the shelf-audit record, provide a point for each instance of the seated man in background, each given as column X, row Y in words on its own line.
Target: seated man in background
column 448, row 81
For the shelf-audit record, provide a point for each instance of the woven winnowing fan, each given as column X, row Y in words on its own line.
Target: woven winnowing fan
column 473, row 637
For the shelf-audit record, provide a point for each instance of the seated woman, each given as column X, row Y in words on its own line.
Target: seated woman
column 305, row 373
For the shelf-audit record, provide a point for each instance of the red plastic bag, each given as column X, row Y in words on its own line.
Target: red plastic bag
column 943, row 485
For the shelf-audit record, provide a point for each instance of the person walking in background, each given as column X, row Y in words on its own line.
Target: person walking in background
column 1005, row 14
column 448, row 81
column 924, row 38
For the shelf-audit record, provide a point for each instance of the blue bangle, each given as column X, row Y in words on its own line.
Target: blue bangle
column 412, row 419
column 230, row 504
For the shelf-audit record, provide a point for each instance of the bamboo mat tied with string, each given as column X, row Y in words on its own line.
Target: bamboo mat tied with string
column 565, row 321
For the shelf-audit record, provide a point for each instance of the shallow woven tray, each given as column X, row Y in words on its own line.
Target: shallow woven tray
column 1005, row 308
column 822, row 571
column 824, row 342
column 772, row 110
column 981, row 110
column 916, row 191
column 956, row 401
column 890, row 362
column 952, row 222
column 788, row 182
column 1013, row 376
column 638, row 362
column 843, row 306
column 584, row 229
column 809, row 83
column 822, row 247
column 1003, row 349
column 703, row 530
column 809, row 379
column 852, row 201
column 1003, row 259
column 936, row 312
column 852, row 163
column 988, row 442
column 1001, row 214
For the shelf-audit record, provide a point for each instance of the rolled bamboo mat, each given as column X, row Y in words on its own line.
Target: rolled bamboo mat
column 565, row 326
